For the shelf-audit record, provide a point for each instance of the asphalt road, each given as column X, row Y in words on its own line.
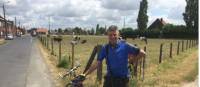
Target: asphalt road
column 21, row 64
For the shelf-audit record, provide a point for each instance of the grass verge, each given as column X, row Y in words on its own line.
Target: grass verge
column 2, row 41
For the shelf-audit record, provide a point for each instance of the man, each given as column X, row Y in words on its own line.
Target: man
column 116, row 55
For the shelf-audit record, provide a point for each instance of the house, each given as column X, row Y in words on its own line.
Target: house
column 38, row 31
column 10, row 27
column 2, row 23
column 157, row 24
column 42, row 31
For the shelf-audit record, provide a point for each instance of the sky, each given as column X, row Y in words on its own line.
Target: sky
column 88, row 13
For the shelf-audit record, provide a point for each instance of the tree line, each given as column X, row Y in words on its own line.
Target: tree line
column 100, row 30
column 190, row 16
column 190, row 30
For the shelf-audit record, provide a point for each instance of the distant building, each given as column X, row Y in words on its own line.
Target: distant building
column 157, row 24
column 2, row 23
column 10, row 27
column 42, row 31
column 38, row 31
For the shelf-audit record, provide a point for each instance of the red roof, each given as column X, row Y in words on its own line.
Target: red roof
column 41, row 30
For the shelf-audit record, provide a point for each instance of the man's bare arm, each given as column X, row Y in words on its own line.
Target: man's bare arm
column 142, row 53
column 134, row 58
column 93, row 67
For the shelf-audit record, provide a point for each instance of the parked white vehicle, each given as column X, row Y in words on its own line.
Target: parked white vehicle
column 9, row 37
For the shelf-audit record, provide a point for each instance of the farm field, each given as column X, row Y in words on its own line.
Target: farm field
column 155, row 74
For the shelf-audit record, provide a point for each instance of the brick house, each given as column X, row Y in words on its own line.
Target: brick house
column 10, row 27
column 42, row 31
column 157, row 24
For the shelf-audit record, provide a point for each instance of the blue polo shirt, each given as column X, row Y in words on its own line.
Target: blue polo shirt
column 117, row 60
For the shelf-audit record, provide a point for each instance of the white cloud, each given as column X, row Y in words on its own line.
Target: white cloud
column 87, row 13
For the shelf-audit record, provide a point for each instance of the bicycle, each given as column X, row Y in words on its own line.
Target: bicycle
column 77, row 80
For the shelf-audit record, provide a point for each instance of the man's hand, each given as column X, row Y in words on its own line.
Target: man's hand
column 134, row 58
column 93, row 67
column 142, row 53
column 78, row 81
column 82, row 76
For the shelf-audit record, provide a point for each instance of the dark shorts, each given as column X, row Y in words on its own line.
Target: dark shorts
column 115, row 82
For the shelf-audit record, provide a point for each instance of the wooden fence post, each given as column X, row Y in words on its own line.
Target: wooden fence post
column 72, row 55
column 197, row 42
column 193, row 43
column 170, row 52
column 92, row 56
column 182, row 45
column 59, row 51
column 42, row 40
column 186, row 45
column 52, row 50
column 45, row 42
column 48, row 43
column 140, row 62
column 100, row 68
column 160, row 56
column 69, row 58
column 178, row 48
column 144, row 61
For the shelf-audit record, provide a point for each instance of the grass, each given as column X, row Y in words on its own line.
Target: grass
column 2, row 41
column 156, row 74
column 64, row 63
column 173, row 72
column 191, row 76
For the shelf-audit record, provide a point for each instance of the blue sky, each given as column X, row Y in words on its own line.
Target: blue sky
column 87, row 13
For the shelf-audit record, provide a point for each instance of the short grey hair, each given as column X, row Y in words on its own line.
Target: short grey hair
column 112, row 28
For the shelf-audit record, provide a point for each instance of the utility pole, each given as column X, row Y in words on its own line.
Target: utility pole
column 15, row 26
column 124, row 22
column 19, row 24
column 49, row 25
column 4, row 14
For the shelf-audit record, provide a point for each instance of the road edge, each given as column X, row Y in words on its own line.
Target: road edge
column 52, row 68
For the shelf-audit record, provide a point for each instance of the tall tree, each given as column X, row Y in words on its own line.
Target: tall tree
column 191, row 14
column 97, row 30
column 142, row 19
column 92, row 31
column 60, row 30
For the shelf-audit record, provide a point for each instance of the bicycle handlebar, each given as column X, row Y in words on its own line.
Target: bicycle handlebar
column 70, row 71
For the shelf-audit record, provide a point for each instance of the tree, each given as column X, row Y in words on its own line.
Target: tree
column 102, row 30
column 97, row 29
column 92, row 31
column 77, row 30
column 142, row 19
column 56, row 30
column 59, row 30
column 66, row 30
column 191, row 14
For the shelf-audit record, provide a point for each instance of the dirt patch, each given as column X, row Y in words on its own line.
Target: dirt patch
column 191, row 84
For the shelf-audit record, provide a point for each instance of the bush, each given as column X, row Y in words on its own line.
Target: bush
column 63, row 63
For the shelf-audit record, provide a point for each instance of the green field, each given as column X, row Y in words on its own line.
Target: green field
column 153, row 68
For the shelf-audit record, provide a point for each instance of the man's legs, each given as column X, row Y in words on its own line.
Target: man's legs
column 115, row 82
column 121, row 83
column 107, row 82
